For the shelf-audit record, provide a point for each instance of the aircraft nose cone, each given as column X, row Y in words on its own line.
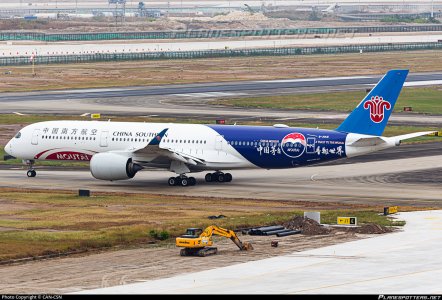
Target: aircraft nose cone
column 8, row 148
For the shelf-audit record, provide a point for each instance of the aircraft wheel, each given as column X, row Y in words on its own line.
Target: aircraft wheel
column 31, row 173
column 228, row 177
column 209, row 177
column 192, row 180
column 185, row 181
column 221, row 177
column 172, row 181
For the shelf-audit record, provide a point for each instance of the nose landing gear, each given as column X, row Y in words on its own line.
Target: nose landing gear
column 31, row 172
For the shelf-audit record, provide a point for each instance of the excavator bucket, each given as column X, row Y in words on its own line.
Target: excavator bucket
column 247, row 246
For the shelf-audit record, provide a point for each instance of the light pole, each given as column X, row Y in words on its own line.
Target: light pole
column 432, row 9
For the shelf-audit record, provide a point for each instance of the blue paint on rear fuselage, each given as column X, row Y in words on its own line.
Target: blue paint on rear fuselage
column 273, row 148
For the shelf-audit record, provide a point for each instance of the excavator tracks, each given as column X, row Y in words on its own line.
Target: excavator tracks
column 201, row 252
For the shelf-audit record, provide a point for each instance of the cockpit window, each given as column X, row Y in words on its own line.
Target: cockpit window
column 18, row 135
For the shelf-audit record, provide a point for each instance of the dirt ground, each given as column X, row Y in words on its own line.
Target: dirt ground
column 142, row 73
column 234, row 20
column 64, row 275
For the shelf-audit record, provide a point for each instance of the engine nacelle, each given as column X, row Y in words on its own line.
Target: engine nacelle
column 112, row 166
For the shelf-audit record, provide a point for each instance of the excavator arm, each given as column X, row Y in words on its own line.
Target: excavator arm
column 211, row 230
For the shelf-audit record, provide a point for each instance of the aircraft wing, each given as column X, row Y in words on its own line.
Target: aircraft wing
column 153, row 146
column 154, row 152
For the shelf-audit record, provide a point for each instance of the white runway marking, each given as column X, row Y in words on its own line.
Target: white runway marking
column 423, row 83
column 312, row 79
column 209, row 95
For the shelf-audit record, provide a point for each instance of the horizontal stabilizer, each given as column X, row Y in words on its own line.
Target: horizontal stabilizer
column 400, row 138
column 370, row 141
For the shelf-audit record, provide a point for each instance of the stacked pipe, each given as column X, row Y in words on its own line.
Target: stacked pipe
column 280, row 231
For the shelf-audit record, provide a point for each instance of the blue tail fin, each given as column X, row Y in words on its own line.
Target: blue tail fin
column 372, row 114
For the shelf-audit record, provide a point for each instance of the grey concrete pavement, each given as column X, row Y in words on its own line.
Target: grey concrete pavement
column 365, row 182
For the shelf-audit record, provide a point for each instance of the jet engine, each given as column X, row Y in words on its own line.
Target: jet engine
column 112, row 166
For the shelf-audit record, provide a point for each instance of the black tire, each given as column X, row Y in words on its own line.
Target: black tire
column 228, row 177
column 192, row 181
column 185, row 182
column 172, row 181
column 209, row 177
column 31, row 173
column 183, row 252
column 221, row 177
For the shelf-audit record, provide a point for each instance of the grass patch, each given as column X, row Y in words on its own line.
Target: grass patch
column 364, row 217
column 38, row 222
column 9, row 119
column 422, row 100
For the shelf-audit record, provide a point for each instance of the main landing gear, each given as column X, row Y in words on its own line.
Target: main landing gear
column 31, row 172
column 218, row 177
column 182, row 181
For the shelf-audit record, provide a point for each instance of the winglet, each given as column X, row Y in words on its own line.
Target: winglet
column 156, row 140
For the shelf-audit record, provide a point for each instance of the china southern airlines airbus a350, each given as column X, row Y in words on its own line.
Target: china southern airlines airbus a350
column 119, row 150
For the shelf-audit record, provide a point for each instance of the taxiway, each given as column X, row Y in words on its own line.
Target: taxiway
column 191, row 100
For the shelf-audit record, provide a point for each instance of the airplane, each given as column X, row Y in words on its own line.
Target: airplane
column 118, row 150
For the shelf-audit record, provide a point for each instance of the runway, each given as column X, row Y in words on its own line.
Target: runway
column 190, row 100
column 375, row 182
column 238, row 86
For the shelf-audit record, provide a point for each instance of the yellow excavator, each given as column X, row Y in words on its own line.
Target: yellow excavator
column 197, row 242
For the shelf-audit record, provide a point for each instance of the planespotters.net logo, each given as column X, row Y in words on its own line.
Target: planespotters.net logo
column 293, row 144
column 410, row 297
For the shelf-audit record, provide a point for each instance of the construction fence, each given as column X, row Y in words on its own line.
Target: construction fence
column 191, row 34
column 105, row 57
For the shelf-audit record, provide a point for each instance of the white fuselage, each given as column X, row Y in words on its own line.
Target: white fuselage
column 118, row 150
column 80, row 140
